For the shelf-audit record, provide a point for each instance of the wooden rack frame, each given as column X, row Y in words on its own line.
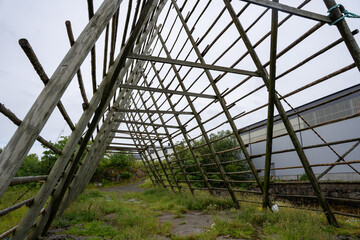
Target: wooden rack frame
column 171, row 82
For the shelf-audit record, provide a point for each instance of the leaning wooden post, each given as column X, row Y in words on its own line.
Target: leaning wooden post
column 26, row 47
column 345, row 31
column 270, row 118
column 92, row 159
column 300, row 151
column 109, row 89
column 21, row 142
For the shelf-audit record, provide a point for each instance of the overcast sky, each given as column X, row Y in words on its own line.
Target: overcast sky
column 42, row 23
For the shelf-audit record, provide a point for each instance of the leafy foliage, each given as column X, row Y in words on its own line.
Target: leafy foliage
column 33, row 166
column 114, row 167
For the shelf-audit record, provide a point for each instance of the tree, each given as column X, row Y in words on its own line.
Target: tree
column 30, row 167
column 49, row 157
column 114, row 167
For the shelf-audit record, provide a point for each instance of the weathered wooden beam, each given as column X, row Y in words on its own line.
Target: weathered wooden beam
column 345, row 32
column 29, row 179
column 93, row 50
column 167, row 91
column 193, row 64
column 291, row 10
column 26, row 47
column 116, row 148
column 148, row 124
column 42, row 109
column 5, row 211
column 300, row 151
column 136, row 132
column 153, row 111
column 116, row 73
column 127, row 144
column 137, row 137
column 17, row 122
column 78, row 73
column 21, row 142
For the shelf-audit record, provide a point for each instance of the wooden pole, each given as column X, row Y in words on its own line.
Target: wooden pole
column 270, row 117
column 93, row 50
column 105, row 92
column 345, row 32
column 305, row 162
column 26, row 47
column 21, row 142
column 17, row 122
column 79, row 75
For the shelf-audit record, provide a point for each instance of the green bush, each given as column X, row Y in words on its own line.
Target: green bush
column 125, row 175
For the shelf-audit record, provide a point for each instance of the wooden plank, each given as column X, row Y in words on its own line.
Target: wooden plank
column 16, row 206
column 345, row 32
column 291, row 10
column 148, row 124
column 167, row 91
column 136, row 132
column 153, row 111
column 21, row 142
column 116, row 148
column 271, row 97
column 29, row 179
column 300, row 151
column 116, row 73
column 193, row 64
column 85, row 40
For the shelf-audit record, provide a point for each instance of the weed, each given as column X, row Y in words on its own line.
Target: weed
column 93, row 228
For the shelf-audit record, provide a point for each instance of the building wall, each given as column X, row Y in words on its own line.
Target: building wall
column 342, row 130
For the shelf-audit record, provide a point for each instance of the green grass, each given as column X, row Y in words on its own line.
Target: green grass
column 161, row 199
column 104, row 215
column 9, row 198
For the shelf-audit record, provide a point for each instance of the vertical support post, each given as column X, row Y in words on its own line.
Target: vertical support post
column 270, row 118
column 300, row 151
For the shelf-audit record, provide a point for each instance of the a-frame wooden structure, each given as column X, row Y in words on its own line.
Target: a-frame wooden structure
column 163, row 85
